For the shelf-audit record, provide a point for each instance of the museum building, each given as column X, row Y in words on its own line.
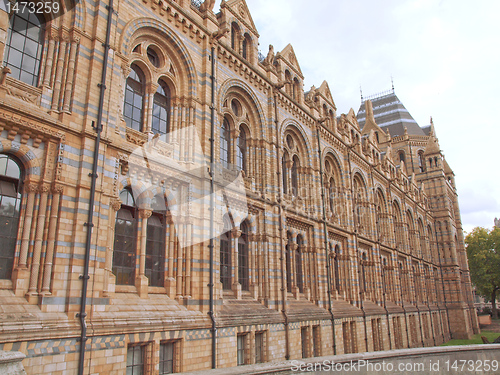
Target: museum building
column 172, row 200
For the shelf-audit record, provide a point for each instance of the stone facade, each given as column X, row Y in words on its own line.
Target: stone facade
column 338, row 230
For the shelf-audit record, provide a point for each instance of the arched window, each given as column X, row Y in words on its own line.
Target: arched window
column 10, row 203
column 245, row 47
column 234, row 35
column 284, row 172
column 161, row 109
column 155, row 244
column 133, row 107
column 24, row 46
column 225, row 255
column 225, row 140
column 421, row 162
column 295, row 176
column 241, row 151
column 243, row 259
column 336, row 268
column 298, row 264
column 362, row 281
column 331, row 194
column 125, row 240
column 288, row 263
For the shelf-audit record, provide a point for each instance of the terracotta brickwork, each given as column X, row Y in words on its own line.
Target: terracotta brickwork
column 331, row 227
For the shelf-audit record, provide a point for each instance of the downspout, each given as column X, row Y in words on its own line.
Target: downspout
column 212, row 207
column 442, row 284
column 355, row 231
column 401, row 279
column 280, row 227
column 430, row 313
column 93, row 177
column 325, row 236
column 383, row 272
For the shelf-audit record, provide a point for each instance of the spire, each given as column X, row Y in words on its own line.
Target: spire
column 370, row 123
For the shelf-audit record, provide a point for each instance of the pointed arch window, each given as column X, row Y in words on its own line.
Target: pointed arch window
column 295, row 176
column 133, row 108
column 288, row 263
column 234, row 35
column 243, row 258
column 125, row 240
column 161, row 110
column 421, row 162
column 331, row 194
column 298, row 264
column 225, row 255
column 284, row 172
column 336, row 270
column 241, row 151
column 10, row 205
column 155, row 243
column 225, row 139
column 24, row 46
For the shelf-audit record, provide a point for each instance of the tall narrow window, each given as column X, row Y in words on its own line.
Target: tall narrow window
column 421, row 162
column 125, row 240
column 135, row 359
column 10, row 203
column 24, row 45
column 234, row 35
column 134, row 99
column 331, row 195
column 243, row 260
column 298, row 264
column 241, row 358
column 241, row 151
column 161, row 107
column 288, row 264
column 155, row 246
column 244, row 48
column 224, row 144
column 303, row 339
column 167, row 358
column 225, row 255
column 259, row 347
column 295, row 176
column 284, row 172
column 336, row 267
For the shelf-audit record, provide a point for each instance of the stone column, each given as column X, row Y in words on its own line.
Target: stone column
column 109, row 278
column 255, row 267
column 170, row 281
column 21, row 274
column 141, row 280
column 51, row 240
column 37, row 249
column 236, row 286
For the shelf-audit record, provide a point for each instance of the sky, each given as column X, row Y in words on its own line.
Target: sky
column 442, row 55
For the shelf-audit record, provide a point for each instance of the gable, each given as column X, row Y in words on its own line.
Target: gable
column 239, row 9
column 289, row 57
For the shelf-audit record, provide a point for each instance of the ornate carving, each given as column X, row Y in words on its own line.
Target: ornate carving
column 30, row 188
column 57, row 189
column 44, row 188
column 145, row 214
column 115, row 204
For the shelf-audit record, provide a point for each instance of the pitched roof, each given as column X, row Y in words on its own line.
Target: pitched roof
column 390, row 114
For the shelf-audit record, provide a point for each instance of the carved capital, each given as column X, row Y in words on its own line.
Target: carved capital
column 57, row 189
column 44, row 189
column 115, row 204
column 145, row 214
column 30, row 188
column 236, row 232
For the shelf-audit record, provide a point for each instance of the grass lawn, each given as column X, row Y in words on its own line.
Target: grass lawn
column 476, row 339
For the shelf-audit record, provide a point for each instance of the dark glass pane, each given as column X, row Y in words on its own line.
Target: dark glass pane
column 27, row 78
column 15, row 57
column 20, row 25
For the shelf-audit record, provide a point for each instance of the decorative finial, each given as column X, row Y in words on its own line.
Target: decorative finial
column 361, row 92
column 392, row 83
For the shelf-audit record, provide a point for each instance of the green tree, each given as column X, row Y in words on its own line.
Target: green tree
column 483, row 252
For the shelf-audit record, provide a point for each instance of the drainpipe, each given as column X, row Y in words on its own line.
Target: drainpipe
column 382, row 268
column 93, row 177
column 212, row 207
column 349, row 148
column 442, row 284
column 325, row 236
column 280, row 210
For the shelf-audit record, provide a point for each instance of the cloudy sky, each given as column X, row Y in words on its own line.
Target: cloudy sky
column 444, row 57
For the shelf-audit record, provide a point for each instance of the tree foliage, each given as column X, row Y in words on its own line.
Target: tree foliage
column 483, row 252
